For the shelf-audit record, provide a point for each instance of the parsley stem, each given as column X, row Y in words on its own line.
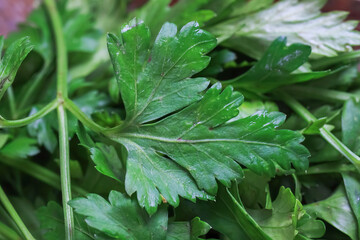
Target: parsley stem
column 11, row 210
column 65, row 171
column 25, row 121
column 242, row 217
column 35, row 84
column 8, row 233
column 62, row 72
column 325, row 133
column 334, row 167
column 326, row 62
column 81, row 116
column 39, row 172
column 321, row 94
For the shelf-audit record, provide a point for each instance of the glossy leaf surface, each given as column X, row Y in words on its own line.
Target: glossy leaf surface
column 11, row 61
column 186, row 153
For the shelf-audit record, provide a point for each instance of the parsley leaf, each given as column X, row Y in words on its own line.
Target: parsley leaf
column 157, row 82
column 276, row 68
column 121, row 218
column 11, row 61
column 287, row 218
column 51, row 219
column 300, row 21
column 185, row 153
column 336, row 210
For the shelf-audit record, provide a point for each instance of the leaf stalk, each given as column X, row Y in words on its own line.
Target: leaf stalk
column 325, row 133
column 62, row 72
column 25, row 121
column 11, row 210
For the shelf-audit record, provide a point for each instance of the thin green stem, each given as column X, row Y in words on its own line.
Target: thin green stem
column 65, row 171
column 81, row 116
column 326, row 134
column 62, row 61
column 35, row 83
column 11, row 210
column 62, row 72
column 244, row 220
column 329, row 168
column 39, row 172
column 8, row 233
column 321, row 94
column 326, row 62
column 25, row 121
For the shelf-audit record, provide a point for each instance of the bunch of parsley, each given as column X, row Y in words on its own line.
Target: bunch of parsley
column 195, row 119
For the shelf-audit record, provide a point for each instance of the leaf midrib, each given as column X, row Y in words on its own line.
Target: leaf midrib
column 188, row 141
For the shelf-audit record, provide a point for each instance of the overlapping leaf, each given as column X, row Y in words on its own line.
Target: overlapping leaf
column 51, row 219
column 276, row 68
column 300, row 21
column 10, row 62
column 187, row 152
column 336, row 210
column 121, row 218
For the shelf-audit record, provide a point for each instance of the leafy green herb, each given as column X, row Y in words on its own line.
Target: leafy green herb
column 203, row 119
column 197, row 138
column 300, row 21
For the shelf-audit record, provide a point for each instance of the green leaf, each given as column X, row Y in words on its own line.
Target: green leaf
column 350, row 123
column 43, row 130
column 37, row 27
column 314, row 127
column 352, row 187
column 155, row 12
column 218, row 60
column 227, row 216
column 155, row 82
column 121, row 218
column 51, row 219
column 187, row 230
column 198, row 228
column 251, row 107
column 285, row 219
column 300, row 21
column 186, row 153
column 336, row 210
column 253, row 190
column 276, row 68
column 80, row 35
column 11, row 61
column 20, row 147
column 3, row 139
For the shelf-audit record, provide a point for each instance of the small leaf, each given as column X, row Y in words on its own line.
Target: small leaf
column 20, row 147
column 51, row 219
column 122, row 218
column 352, row 187
column 43, row 130
column 276, row 67
column 336, row 210
column 350, row 123
column 287, row 218
column 218, row 60
column 11, row 61
column 314, row 127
